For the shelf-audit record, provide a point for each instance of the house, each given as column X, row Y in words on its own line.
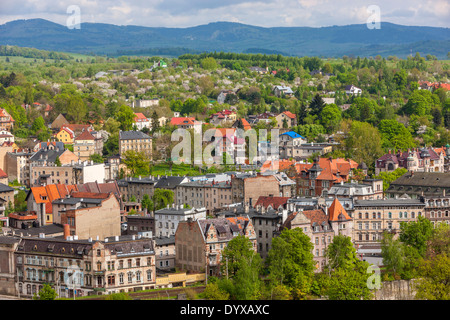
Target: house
column 321, row 225
column 84, row 146
column 200, row 243
column 137, row 187
column 283, row 90
column 89, row 214
column 259, row 69
column 79, row 128
column 223, row 95
column 65, row 135
column 165, row 253
column 286, row 120
column 242, row 124
column 430, row 185
column 17, row 167
column 291, row 139
column 141, row 121
column 221, row 117
column 135, row 140
column 99, row 266
column 352, row 90
column 415, row 159
column 183, row 122
column 168, row 219
column 6, row 136
column 6, row 120
column 369, row 189
column 313, row 179
column 246, row 188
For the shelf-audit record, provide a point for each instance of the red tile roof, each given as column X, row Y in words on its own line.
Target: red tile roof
column 336, row 212
column 274, row 202
column 85, row 135
column 289, row 114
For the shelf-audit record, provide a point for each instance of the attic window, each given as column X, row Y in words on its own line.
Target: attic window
column 35, row 247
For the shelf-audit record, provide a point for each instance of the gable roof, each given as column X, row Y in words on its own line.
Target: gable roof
column 336, row 212
column 292, row 134
column 85, row 135
column 176, row 121
column 274, row 202
column 289, row 114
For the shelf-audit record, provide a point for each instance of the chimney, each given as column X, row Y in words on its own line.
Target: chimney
column 66, row 231
column 89, row 239
column 133, row 237
column 75, row 237
column 116, row 238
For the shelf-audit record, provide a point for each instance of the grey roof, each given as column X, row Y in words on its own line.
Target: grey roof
column 73, row 201
column 132, row 135
column 388, row 203
column 5, row 188
column 169, row 182
column 142, row 180
column 428, row 179
column 9, row 240
column 47, row 155
column 163, row 241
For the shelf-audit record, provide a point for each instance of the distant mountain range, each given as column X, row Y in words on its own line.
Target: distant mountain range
column 333, row 41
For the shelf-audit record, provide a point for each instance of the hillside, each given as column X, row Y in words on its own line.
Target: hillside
column 333, row 41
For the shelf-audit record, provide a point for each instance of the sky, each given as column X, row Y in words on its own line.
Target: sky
column 270, row 13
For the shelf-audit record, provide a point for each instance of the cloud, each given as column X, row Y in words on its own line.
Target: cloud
column 270, row 13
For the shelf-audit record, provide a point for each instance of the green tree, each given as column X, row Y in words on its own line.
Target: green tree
column 388, row 177
column 147, row 203
column 392, row 252
column 395, row 135
column 208, row 63
column 161, row 198
column 341, row 253
column 58, row 162
column 46, row 293
column 416, row 234
column 97, row 158
column 330, row 117
column 125, row 116
column 434, row 281
column 136, row 162
column 213, row 292
column 290, row 262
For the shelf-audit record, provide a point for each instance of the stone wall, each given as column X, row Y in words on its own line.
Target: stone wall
column 396, row 290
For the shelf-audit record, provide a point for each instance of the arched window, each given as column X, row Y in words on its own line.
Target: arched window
column 99, row 266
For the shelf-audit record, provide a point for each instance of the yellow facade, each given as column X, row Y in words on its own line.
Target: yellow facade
column 64, row 137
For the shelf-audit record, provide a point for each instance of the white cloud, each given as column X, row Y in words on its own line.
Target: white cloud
column 271, row 13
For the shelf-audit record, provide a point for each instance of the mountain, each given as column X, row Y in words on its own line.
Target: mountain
column 333, row 41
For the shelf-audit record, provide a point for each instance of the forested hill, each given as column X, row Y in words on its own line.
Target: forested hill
column 333, row 41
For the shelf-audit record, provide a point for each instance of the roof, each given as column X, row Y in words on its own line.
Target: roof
column 85, row 135
column 426, row 179
column 5, row 188
column 225, row 227
column 140, row 117
column 176, row 121
column 274, row 202
column 336, row 212
column 169, row 182
column 293, row 135
column 3, row 174
column 133, row 135
column 289, row 114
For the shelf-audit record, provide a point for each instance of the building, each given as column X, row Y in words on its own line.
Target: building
column 137, row 187
column 84, row 146
column 372, row 217
column 86, row 266
column 59, row 122
column 135, row 140
column 183, row 122
column 247, row 189
column 7, row 194
column 286, row 120
column 415, row 185
column 138, row 224
column 6, row 120
column 367, row 190
column 418, row 160
column 352, row 90
column 89, row 214
column 8, row 246
column 321, row 225
column 313, row 179
column 65, row 135
column 141, row 121
column 221, row 97
column 170, row 183
column 165, row 253
column 222, row 117
column 168, row 219
column 6, row 136
column 17, row 166
column 282, row 90
column 199, row 244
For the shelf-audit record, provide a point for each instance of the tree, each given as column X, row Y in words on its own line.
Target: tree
column 137, row 162
column 341, row 253
column 330, row 117
column 155, row 122
column 125, row 116
column 388, row 177
column 434, row 282
column 395, row 135
column 416, row 234
column 58, row 162
column 97, row 158
column 46, row 293
column 290, row 262
column 213, row 292
column 316, row 106
column 208, row 63
column 242, row 265
column 392, row 253
column 147, row 203
column 161, row 198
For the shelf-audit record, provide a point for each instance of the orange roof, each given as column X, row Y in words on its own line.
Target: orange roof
column 90, row 195
column 289, row 114
column 176, row 121
column 69, row 131
column 85, row 135
column 3, row 174
column 337, row 212
column 139, row 116
column 282, row 164
column 245, row 124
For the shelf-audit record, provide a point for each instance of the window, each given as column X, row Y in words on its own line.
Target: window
column 121, row 278
column 138, row 276
column 149, row 275
column 130, row 277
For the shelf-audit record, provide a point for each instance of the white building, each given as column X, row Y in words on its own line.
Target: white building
column 167, row 219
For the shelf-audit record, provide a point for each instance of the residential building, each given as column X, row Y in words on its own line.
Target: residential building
column 6, row 120
column 367, row 190
column 59, row 122
column 89, row 214
column 135, row 140
column 200, row 243
column 137, row 187
column 7, row 194
column 282, row 90
column 168, row 219
column 352, row 90
column 141, row 121
column 170, row 183
column 246, row 188
column 313, row 179
column 8, row 246
column 139, row 224
column 222, row 117
column 321, row 225
column 183, row 122
column 4, row 150
column 372, row 217
column 84, row 146
column 95, row 267
column 165, row 253
column 6, row 136
column 429, row 185
column 65, row 135
column 418, row 160
column 286, row 120
column 223, row 95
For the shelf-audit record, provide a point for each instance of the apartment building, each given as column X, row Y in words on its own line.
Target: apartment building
column 135, row 140
column 168, row 219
